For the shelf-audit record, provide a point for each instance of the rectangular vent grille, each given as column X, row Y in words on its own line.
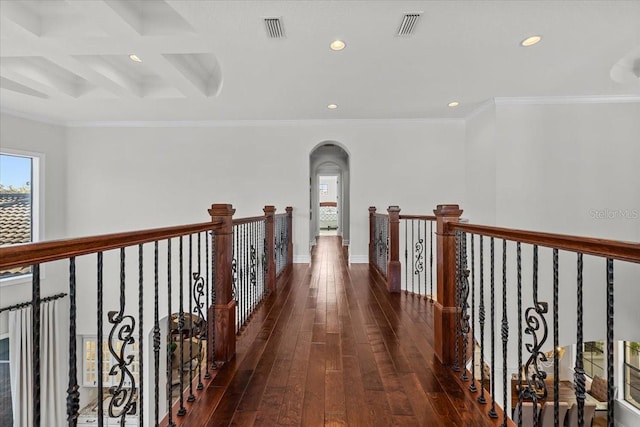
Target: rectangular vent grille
column 408, row 24
column 274, row 27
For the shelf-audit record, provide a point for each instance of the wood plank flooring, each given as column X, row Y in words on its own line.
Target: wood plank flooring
column 333, row 348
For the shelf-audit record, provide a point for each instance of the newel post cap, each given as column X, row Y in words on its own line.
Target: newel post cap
column 221, row 209
column 288, row 209
column 393, row 208
column 372, row 209
column 269, row 210
column 448, row 211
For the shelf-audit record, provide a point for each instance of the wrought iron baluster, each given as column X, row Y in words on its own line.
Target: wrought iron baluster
column 610, row 382
column 424, row 258
column 504, row 330
column 35, row 341
column 419, row 258
column 181, row 410
column 519, row 273
column 472, row 386
column 212, row 338
column 431, row 261
column 122, row 330
column 464, row 304
column 73, row 394
column 413, row 245
column 579, row 379
column 140, row 394
column 481, row 317
column 191, row 321
column 198, row 293
column 556, row 370
column 208, row 281
column 537, row 328
column 406, row 258
column 492, row 411
column 170, row 422
column 156, row 335
column 99, row 340
column 456, row 364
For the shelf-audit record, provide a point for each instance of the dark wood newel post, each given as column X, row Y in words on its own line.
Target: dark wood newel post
column 445, row 307
column 289, row 210
column 269, row 213
column 225, row 307
column 372, row 238
column 393, row 265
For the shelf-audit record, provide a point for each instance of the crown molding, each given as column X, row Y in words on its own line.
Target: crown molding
column 32, row 117
column 560, row 100
column 480, row 109
column 259, row 123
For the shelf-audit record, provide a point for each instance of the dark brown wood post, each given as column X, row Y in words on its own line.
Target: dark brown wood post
column 372, row 238
column 225, row 307
column 394, row 268
column 445, row 307
column 269, row 213
column 289, row 210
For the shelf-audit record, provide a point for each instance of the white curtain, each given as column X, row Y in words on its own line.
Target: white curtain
column 52, row 366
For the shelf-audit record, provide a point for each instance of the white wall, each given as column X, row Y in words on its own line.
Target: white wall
column 49, row 140
column 128, row 178
column 332, row 188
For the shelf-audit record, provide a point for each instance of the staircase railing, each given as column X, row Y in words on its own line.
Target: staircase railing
column 158, row 306
column 497, row 311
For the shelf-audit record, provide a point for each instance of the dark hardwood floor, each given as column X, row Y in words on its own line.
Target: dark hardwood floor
column 333, row 348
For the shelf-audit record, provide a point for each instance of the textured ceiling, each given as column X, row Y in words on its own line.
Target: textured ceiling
column 67, row 61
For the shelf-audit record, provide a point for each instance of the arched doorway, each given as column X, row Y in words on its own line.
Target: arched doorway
column 327, row 160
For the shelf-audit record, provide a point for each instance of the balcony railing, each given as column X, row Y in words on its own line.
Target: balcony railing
column 160, row 306
column 497, row 311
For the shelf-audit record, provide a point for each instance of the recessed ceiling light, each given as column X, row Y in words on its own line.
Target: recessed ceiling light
column 453, row 104
column 337, row 45
column 332, row 106
column 134, row 58
column 530, row 41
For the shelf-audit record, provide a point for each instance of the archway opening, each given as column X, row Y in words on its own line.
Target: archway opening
column 329, row 192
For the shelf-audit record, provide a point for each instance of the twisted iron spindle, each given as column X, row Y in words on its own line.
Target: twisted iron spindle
column 198, row 281
column 73, row 394
column 472, row 386
column 481, row 316
column 413, row 245
column 610, row 382
column 156, row 335
column 191, row 397
column 579, row 379
column 492, row 411
column 140, row 402
column 504, row 330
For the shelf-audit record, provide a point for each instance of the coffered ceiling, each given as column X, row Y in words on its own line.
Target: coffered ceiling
column 68, row 61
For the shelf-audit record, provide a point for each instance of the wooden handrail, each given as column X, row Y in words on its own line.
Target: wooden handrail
column 624, row 251
column 420, row 217
column 37, row 253
column 241, row 221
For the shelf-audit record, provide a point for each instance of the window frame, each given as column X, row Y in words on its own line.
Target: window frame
column 626, row 393
column 604, row 360
column 37, row 206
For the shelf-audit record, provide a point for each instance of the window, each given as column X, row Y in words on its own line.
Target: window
column 6, row 412
column 324, row 188
column 593, row 358
column 18, row 204
column 632, row 372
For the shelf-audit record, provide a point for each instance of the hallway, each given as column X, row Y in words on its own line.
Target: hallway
column 333, row 347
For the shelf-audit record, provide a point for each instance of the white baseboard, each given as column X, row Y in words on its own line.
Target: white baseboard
column 301, row 259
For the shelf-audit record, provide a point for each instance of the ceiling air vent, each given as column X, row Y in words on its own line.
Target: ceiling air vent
column 274, row 27
column 408, row 24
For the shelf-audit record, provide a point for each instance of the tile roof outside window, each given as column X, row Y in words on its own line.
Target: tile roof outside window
column 15, row 218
